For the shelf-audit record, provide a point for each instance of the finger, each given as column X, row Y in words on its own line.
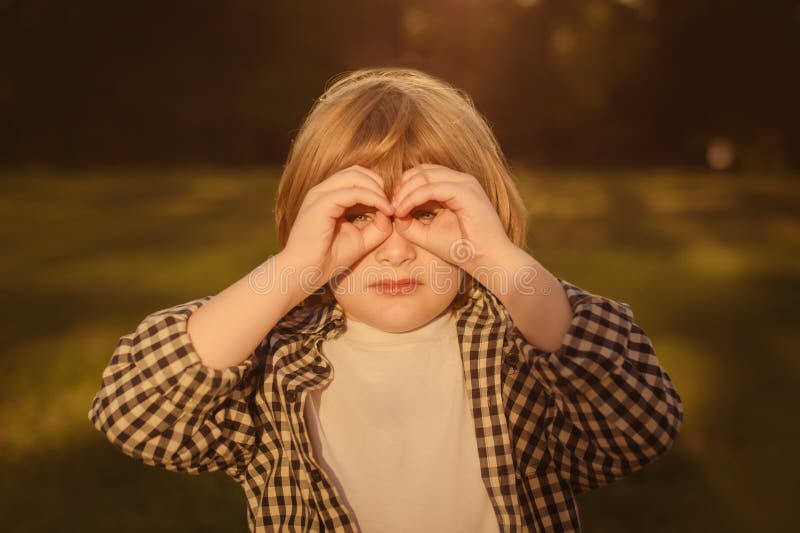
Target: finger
column 340, row 199
column 411, row 179
column 420, row 174
column 425, row 168
column 433, row 173
column 377, row 232
column 415, row 171
column 411, row 183
column 377, row 178
column 413, row 230
column 444, row 192
column 355, row 175
column 402, row 224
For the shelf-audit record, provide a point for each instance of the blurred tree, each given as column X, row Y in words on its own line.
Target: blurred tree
column 564, row 81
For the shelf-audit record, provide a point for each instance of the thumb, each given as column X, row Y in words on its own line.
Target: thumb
column 410, row 230
column 377, row 232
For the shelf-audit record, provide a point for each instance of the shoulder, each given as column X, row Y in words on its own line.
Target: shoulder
column 305, row 319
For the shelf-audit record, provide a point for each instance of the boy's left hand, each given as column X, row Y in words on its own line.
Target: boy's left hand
column 466, row 230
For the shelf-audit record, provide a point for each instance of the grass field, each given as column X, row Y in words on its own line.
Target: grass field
column 708, row 262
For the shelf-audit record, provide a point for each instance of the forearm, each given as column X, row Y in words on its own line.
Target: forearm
column 611, row 406
column 534, row 298
column 227, row 328
column 160, row 404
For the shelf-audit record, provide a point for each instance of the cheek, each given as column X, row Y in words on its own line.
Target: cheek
column 445, row 278
column 445, row 268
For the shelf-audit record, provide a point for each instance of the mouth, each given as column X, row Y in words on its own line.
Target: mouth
column 391, row 287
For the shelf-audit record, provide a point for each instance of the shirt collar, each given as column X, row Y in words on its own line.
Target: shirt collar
column 482, row 322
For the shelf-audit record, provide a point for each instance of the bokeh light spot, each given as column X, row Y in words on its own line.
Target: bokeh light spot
column 720, row 153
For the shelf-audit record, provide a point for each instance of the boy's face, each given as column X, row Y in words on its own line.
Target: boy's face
column 364, row 298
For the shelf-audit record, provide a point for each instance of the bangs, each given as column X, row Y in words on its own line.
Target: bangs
column 391, row 133
column 390, row 120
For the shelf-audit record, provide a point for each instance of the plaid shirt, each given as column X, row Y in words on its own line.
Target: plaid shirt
column 548, row 424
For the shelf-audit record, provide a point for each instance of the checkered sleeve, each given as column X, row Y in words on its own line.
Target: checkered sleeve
column 158, row 403
column 611, row 407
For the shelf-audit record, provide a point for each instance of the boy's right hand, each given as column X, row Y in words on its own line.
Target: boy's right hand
column 324, row 235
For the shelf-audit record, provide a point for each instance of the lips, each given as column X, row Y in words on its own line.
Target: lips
column 400, row 286
column 392, row 283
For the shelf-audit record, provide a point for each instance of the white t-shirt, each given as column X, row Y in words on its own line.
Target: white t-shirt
column 395, row 433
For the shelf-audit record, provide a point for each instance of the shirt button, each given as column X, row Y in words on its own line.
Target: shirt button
column 512, row 359
column 316, row 476
column 291, row 395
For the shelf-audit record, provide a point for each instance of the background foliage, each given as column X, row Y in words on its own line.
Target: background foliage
column 656, row 144
column 562, row 81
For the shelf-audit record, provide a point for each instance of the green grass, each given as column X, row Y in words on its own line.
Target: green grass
column 708, row 262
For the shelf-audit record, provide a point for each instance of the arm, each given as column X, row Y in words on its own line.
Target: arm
column 179, row 395
column 228, row 327
column 532, row 296
column 158, row 403
column 611, row 407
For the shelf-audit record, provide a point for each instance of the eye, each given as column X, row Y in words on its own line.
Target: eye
column 360, row 217
column 426, row 215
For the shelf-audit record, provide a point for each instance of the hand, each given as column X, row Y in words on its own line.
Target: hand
column 464, row 230
column 323, row 235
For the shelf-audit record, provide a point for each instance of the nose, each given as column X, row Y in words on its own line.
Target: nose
column 395, row 249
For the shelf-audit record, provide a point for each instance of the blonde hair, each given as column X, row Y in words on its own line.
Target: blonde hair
column 389, row 120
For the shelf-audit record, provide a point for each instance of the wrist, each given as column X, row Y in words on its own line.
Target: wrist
column 500, row 270
column 285, row 275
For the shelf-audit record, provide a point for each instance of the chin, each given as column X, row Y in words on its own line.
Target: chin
column 397, row 318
